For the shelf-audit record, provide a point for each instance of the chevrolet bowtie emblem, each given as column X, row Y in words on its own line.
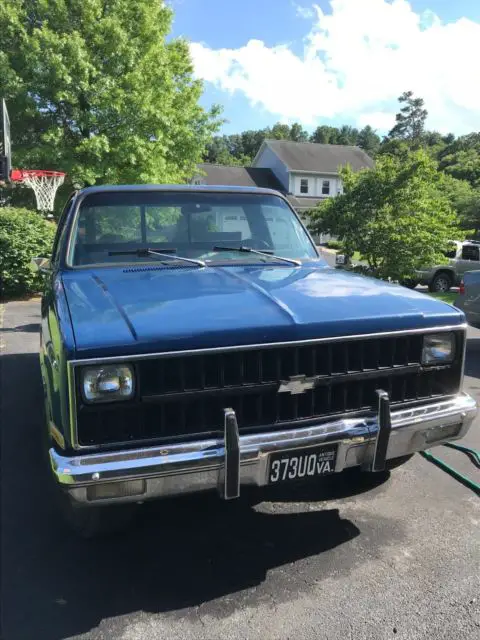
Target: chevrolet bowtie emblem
column 296, row 385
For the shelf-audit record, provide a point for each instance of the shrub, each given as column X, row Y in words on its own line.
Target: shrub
column 335, row 244
column 24, row 234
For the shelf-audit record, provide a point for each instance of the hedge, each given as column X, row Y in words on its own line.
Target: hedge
column 335, row 244
column 24, row 234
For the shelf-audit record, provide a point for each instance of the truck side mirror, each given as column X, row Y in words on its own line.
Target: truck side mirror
column 43, row 265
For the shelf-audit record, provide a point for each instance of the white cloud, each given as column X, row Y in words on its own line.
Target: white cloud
column 356, row 61
column 304, row 12
column 382, row 120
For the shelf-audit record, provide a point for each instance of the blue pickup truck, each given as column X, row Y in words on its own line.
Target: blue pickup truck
column 192, row 339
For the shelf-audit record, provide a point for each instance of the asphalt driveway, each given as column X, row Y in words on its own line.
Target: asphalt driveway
column 336, row 560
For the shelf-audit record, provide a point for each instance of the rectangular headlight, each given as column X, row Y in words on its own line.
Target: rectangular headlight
column 438, row 348
column 107, row 383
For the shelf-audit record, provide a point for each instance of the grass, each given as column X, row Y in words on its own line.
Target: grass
column 449, row 296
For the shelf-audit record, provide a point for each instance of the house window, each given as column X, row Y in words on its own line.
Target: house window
column 325, row 187
column 304, row 185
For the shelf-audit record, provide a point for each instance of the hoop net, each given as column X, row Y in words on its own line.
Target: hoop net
column 43, row 183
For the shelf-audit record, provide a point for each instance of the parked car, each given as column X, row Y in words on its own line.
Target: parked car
column 463, row 257
column 468, row 298
column 192, row 339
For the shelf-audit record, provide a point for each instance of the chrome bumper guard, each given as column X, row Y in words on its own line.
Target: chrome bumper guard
column 226, row 464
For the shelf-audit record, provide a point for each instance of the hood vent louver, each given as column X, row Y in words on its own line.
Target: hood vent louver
column 159, row 267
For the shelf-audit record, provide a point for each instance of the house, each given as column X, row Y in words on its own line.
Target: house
column 220, row 174
column 306, row 172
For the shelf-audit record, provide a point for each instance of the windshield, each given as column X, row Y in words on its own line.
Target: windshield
column 185, row 224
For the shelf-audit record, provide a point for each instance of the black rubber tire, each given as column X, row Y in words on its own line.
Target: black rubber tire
column 86, row 522
column 93, row 522
column 409, row 284
column 441, row 282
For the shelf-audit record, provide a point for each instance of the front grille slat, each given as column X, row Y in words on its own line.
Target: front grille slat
column 185, row 396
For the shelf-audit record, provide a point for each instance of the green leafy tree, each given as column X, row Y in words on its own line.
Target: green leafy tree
column 394, row 215
column 279, row 131
column 224, row 150
column 464, row 199
column 461, row 158
column 298, row 133
column 325, row 135
column 252, row 141
column 410, row 121
column 241, row 149
column 368, row 140
column 347, row 135
column 23, row 235
column 95, row 88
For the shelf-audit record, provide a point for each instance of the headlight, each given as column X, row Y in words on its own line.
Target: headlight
column 438, row 348
column 107, row 383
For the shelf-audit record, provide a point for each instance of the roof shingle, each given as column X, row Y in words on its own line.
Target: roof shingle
column 217, row 174
column 319, row 158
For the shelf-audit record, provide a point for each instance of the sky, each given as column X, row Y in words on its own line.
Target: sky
column 335, row 62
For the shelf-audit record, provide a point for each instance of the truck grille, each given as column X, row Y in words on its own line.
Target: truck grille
column 184, row 396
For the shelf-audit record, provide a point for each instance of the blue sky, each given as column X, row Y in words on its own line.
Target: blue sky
column 335, row 62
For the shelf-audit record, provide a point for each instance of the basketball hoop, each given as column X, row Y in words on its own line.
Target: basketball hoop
column 43, row 183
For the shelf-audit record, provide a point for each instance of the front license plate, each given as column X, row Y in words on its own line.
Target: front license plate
column 298, row 464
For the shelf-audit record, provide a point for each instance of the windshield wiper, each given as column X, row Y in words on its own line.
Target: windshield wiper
column 268, row 253
column 167, row 253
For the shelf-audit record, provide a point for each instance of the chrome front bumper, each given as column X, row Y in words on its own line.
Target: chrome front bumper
column 228, row 463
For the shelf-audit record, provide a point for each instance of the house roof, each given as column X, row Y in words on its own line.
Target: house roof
column 319, row 158
column 303, row 204
column 218, row 174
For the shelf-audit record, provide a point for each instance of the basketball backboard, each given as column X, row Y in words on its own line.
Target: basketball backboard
column 5, row 144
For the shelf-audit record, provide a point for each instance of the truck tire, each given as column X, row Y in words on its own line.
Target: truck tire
column 93, row 522
column 410, row 283
column 86, row 522
column 441, row 282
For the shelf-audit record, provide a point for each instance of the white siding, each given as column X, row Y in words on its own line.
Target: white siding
column 269, row 160
column 315, row 184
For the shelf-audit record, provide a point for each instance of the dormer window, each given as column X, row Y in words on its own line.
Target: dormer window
column 304, row 185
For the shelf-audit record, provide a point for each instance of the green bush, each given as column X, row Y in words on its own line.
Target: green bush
column 335, row 244
column 24, row 234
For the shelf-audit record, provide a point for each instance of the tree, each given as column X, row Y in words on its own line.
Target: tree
column 464, row 199
column 221, row 151
column 241, row 149
column 347, row 135
column 395, row 215
column 461, row 158
column 279, row 131
column 95, row 89
column 410, row 121
column 298, row 133
column 252, row 141
column 325, row 135
column 368, row 140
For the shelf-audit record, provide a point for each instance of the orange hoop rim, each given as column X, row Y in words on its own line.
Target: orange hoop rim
column 18, row 175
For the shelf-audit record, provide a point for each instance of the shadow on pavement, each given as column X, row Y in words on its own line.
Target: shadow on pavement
column 180, row 553
column 34, row 327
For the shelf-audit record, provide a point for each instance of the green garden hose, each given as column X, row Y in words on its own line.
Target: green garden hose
column 473, row 454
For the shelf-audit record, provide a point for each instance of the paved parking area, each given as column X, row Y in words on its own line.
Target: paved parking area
column 335, row 560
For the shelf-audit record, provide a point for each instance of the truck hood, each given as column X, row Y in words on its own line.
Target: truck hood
column 123, row 311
